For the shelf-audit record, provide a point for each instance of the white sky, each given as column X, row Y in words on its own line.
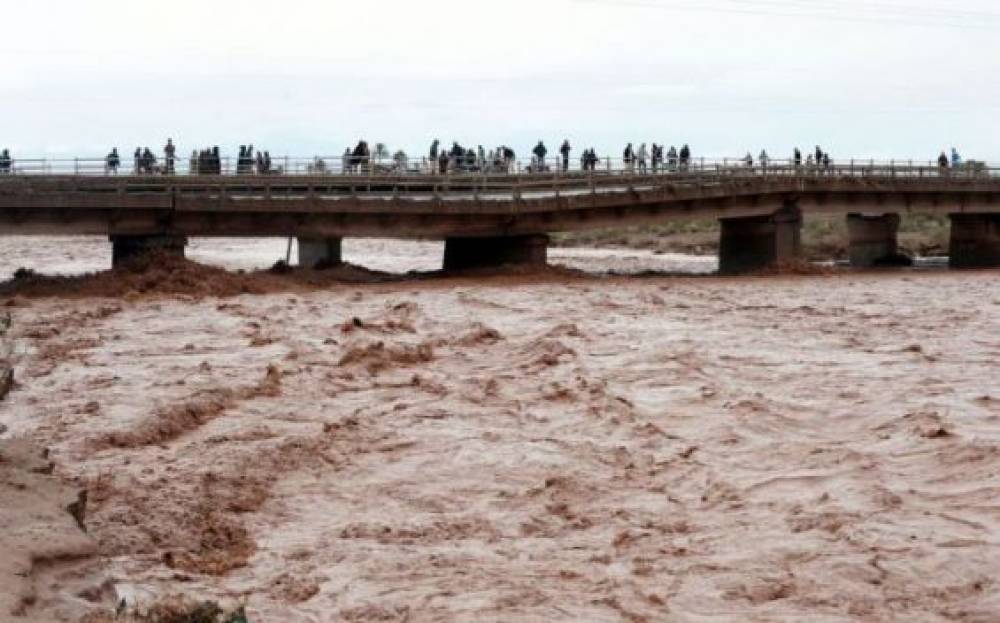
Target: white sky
column 880, row 78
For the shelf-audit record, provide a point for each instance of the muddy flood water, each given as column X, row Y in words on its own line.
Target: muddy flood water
column 559, row 446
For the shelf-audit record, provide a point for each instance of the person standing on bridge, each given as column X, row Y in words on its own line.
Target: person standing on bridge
column 147, row 161
column 169, row 152
column 540, row 153
column 5, row 162
column 112, row 161
column 764, row 159
column 797, row 158
column 672, row 158
column 685, row 156
column 433, row 155
column 956, row 160
column 628, row 156
column 509, row 158
column 819, row 156
column 943, row 161
column 641, row 156
column 443, row 163
column 564, row 151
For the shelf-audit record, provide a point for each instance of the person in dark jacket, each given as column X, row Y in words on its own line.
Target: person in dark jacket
column 540, row 152
column 147, row 161
column 112, row 161
column 169, row 153
column 564, row 150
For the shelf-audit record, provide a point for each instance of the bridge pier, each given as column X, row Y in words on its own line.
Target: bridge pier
column 753, row 243
column 320, row 252
column 126, row 247
column 873, row 240
column 975, row 241
column 491, row 252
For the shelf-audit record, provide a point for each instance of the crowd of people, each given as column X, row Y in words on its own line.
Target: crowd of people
column 643, row 158
column 457, row 159
column 469, row 160
column 247, row 163
column 816, row 159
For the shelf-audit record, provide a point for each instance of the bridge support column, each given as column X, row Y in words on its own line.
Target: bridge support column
column 319, row 252
column 126, row 247
column 873, row 240
column 975, row 241
column 759, row 242
column 463, row 253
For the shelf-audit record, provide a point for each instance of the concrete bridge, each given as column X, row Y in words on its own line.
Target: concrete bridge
column 488, row 219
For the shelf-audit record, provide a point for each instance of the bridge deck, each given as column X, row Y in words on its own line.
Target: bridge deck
column 469, row 205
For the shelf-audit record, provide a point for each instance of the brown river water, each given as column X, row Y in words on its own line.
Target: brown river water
column 559, row 446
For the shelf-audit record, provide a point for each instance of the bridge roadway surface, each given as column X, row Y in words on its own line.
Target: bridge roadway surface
column 760, row 209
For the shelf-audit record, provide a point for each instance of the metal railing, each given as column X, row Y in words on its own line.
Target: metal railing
column 549, row 170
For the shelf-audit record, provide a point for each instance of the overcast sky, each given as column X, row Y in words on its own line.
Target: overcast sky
column 880, row 78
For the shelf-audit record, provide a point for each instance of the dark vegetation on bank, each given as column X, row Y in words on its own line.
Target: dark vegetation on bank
column 823, row 237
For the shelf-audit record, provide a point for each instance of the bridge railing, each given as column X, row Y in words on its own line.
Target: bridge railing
column 550, row 169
